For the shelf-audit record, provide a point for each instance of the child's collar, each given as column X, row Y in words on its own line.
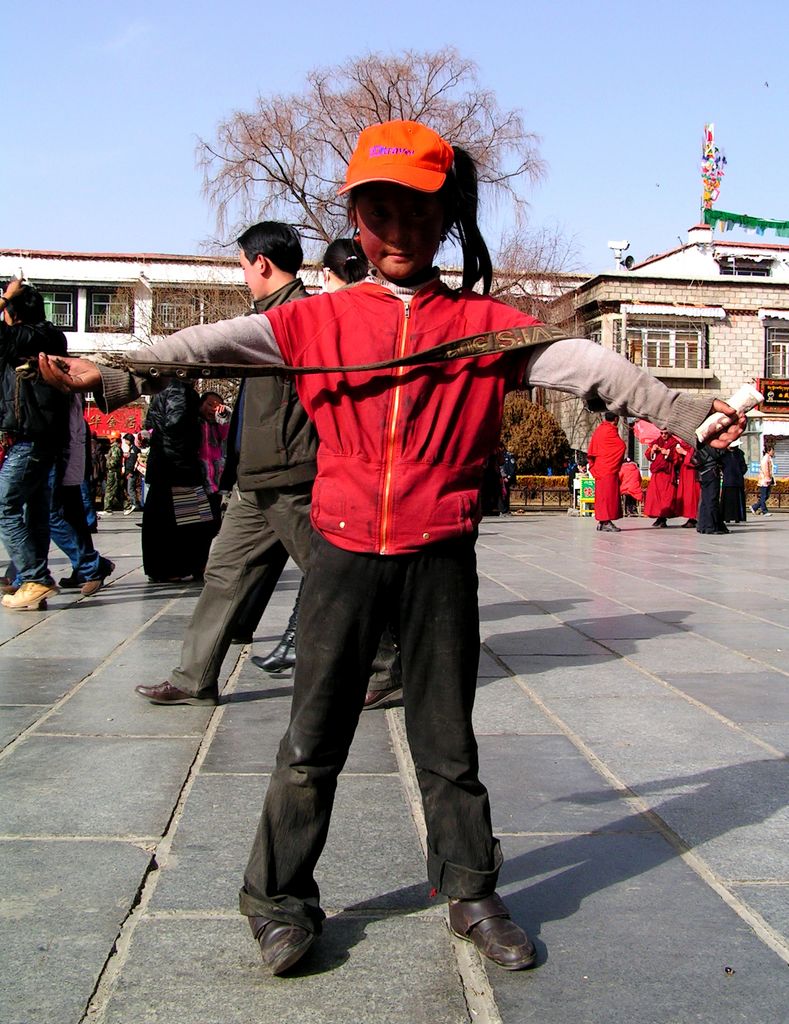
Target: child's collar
column 403, row 290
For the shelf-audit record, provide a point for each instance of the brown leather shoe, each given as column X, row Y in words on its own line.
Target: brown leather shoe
column 377, row 698
column 281, row 945
column 487, row 924
column 166, row 693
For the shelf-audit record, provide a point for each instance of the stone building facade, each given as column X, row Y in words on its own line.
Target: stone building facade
column 703, row 318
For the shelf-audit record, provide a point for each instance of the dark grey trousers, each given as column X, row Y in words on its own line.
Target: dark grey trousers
column 259, row 531
column 431, row 598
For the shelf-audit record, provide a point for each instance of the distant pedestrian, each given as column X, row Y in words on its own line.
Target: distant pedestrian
column 733, row 501
column 113, row 483
column 688, row 489
column 631, row 487
column 765, row 481
column 131, row 474
column 214, row 430
column 605, row 455
column 661, row 489
column 709, row 519
column 68, row 523
column 34, row 424
column 177, row 522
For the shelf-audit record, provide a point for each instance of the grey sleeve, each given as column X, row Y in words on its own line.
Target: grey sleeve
column 604, row 379
column 244, row 339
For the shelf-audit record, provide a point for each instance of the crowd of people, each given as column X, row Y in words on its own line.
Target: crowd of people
column 369, row 477
column 702, row 485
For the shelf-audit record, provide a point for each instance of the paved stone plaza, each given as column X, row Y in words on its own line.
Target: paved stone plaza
column 633, row 718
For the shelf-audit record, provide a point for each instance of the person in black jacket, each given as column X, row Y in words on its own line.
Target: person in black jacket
column 733, row 501
column 709, row 519
column 177, row 521
column 34, row 425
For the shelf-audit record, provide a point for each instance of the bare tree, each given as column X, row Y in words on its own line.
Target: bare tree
column 532, row 269
column 284, row 159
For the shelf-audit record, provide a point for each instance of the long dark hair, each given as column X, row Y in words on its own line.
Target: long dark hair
column 460, row 195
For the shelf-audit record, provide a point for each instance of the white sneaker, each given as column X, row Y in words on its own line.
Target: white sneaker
column 766, row 514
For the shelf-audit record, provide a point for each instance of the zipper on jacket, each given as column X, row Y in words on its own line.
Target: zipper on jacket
column 386, row 512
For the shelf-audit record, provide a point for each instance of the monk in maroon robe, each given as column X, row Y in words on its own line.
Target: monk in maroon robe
column 661, row 490
column 605, row 455
column 688, row 486
column 630, row 487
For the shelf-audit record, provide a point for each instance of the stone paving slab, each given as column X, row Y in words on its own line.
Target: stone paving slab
column 654, row 737
column 544, row 784
column 628, row 933
column 67, row 786
column 372, row 857
column 740, row 696
column 108, row 706
column 250, row 731
column 604, row 675
column 770, row 901
column 40, row 680
column 552, row 640
column 61, row 907
column 362, row 969
column 500, row 709
column 15, row 719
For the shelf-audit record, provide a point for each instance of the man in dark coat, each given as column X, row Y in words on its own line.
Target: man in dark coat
column 271, row 467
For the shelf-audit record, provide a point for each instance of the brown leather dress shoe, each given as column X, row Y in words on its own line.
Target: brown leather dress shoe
column 281, row 945
column 487, row 924
column 166, row 693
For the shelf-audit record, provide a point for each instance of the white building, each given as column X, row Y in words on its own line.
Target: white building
column 703, row 317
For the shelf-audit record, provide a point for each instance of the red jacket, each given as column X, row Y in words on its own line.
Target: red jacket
column 401, row 454
column 399, row 467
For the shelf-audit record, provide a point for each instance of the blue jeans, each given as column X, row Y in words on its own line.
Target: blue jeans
column 24, row 509
column 90, row 508
column 761, row 504
column 69, row 529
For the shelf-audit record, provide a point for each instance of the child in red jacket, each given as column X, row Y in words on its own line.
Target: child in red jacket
column 395, row 510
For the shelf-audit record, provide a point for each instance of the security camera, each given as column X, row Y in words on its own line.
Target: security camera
column 622, row 246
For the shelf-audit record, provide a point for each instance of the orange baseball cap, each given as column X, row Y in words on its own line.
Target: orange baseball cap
column 403, row 152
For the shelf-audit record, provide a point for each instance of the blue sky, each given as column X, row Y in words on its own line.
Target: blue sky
column 104, row 104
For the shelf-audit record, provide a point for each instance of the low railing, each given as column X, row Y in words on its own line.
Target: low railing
column 551, row 494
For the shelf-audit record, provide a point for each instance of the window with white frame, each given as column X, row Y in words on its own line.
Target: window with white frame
column 109, row 310
column 777, row 352
column 666, row 345
column 60, row 307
